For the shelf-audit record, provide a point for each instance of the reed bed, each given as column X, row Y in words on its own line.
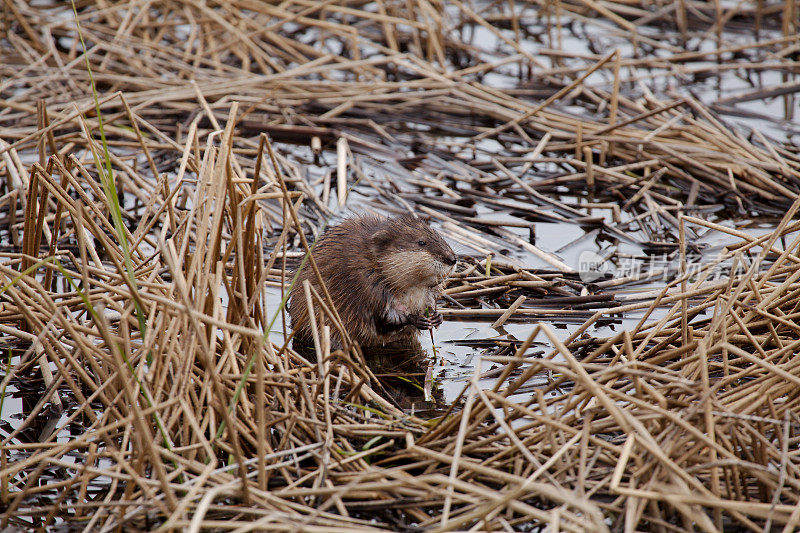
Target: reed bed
column 142, row 324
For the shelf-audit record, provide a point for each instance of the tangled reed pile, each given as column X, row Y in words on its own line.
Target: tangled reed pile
column 135, row 316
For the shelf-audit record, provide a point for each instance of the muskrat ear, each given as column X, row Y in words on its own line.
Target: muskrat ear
column 381, row 239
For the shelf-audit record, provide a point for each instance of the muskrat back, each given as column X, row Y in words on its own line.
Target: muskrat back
column 383, row 274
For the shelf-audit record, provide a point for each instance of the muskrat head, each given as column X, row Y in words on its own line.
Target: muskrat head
column 409, row 253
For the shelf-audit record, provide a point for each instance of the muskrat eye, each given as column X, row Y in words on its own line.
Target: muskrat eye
column 421, row 243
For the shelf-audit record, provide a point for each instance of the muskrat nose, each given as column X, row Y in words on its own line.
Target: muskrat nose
column 450, row 260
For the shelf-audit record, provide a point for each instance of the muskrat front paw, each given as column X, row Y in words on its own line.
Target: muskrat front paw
column 426, row 322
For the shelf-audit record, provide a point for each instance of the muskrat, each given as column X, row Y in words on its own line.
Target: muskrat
column 384, row 276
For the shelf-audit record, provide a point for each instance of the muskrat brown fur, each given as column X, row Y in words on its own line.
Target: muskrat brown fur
column 383, row 274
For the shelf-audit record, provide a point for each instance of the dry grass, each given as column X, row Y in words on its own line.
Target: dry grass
column 194, row 418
